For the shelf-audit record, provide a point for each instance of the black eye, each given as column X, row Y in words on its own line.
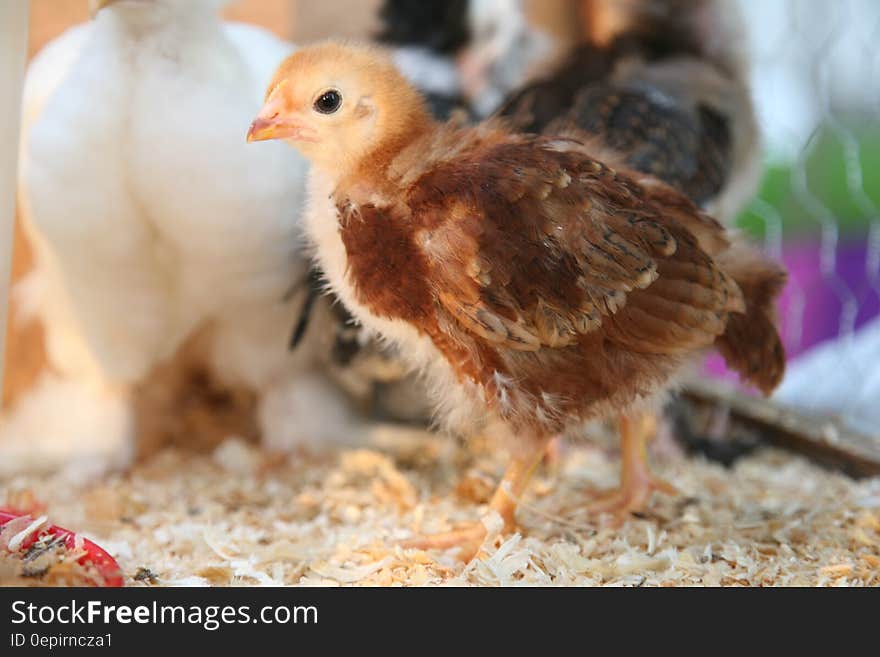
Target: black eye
column 328, row 102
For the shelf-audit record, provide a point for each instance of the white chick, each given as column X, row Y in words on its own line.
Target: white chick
column 151, row 218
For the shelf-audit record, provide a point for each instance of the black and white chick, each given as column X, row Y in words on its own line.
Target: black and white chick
column 670, row 91
column 462, row 54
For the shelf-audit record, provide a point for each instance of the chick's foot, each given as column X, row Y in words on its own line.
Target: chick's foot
column 470, row 537
column 637, row 482
column 631, row 497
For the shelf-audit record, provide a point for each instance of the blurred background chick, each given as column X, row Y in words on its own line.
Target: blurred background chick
column 463, row 54
column 164, row 249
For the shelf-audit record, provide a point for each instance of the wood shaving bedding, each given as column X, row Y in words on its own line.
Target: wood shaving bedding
column 245, row 517
column 46, row 563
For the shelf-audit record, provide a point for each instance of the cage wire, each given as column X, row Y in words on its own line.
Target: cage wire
column 815, row 83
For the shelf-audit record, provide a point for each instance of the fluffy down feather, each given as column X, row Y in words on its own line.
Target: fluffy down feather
column 670, row 93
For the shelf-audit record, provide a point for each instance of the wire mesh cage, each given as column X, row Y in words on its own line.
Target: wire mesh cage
column 816, row 90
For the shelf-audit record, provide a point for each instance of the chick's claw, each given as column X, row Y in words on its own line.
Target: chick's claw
column 502, row 506
column 631, row 497
column 637, row 482
column 469, row 539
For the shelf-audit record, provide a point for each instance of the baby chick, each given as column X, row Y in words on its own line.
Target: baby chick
column 153, row 222
column 536, row 280
column 670, row 93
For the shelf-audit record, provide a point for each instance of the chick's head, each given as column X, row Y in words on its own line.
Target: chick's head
column 339, row 104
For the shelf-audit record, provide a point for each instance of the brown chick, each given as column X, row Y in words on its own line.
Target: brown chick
column 535, row 284
column 669, row 93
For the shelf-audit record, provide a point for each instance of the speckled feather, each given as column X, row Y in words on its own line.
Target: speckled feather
column 641, row 96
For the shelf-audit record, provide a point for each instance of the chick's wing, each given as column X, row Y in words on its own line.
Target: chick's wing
column 532, row 244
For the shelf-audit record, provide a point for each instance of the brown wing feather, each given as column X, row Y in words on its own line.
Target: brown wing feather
column 540, row 245
column 561, row 287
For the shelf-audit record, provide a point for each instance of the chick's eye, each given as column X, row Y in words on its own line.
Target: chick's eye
column 328, row 102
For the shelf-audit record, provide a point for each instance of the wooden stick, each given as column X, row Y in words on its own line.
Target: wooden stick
column 823, row 439
column 13, row 56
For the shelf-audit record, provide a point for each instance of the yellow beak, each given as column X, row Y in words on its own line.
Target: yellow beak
column 264, row 129
column 271, row 123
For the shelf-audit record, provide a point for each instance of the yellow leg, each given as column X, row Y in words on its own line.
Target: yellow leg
column 637, row 482
column 470, row 537
column 553, row 453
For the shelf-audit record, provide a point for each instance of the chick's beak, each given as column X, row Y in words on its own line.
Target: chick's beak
column 273, row 123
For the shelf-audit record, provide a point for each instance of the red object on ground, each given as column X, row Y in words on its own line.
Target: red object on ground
column 94, row 554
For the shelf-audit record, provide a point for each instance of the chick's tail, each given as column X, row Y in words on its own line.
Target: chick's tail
column 751, row 345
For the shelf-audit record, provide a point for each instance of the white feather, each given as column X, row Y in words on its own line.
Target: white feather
column 502, row 44
column 507, row 44
column 84, row 429
column 428, row 71
column 149, row 214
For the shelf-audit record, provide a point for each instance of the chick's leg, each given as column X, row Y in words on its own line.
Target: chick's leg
column 637, row 482
column 502, row 505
